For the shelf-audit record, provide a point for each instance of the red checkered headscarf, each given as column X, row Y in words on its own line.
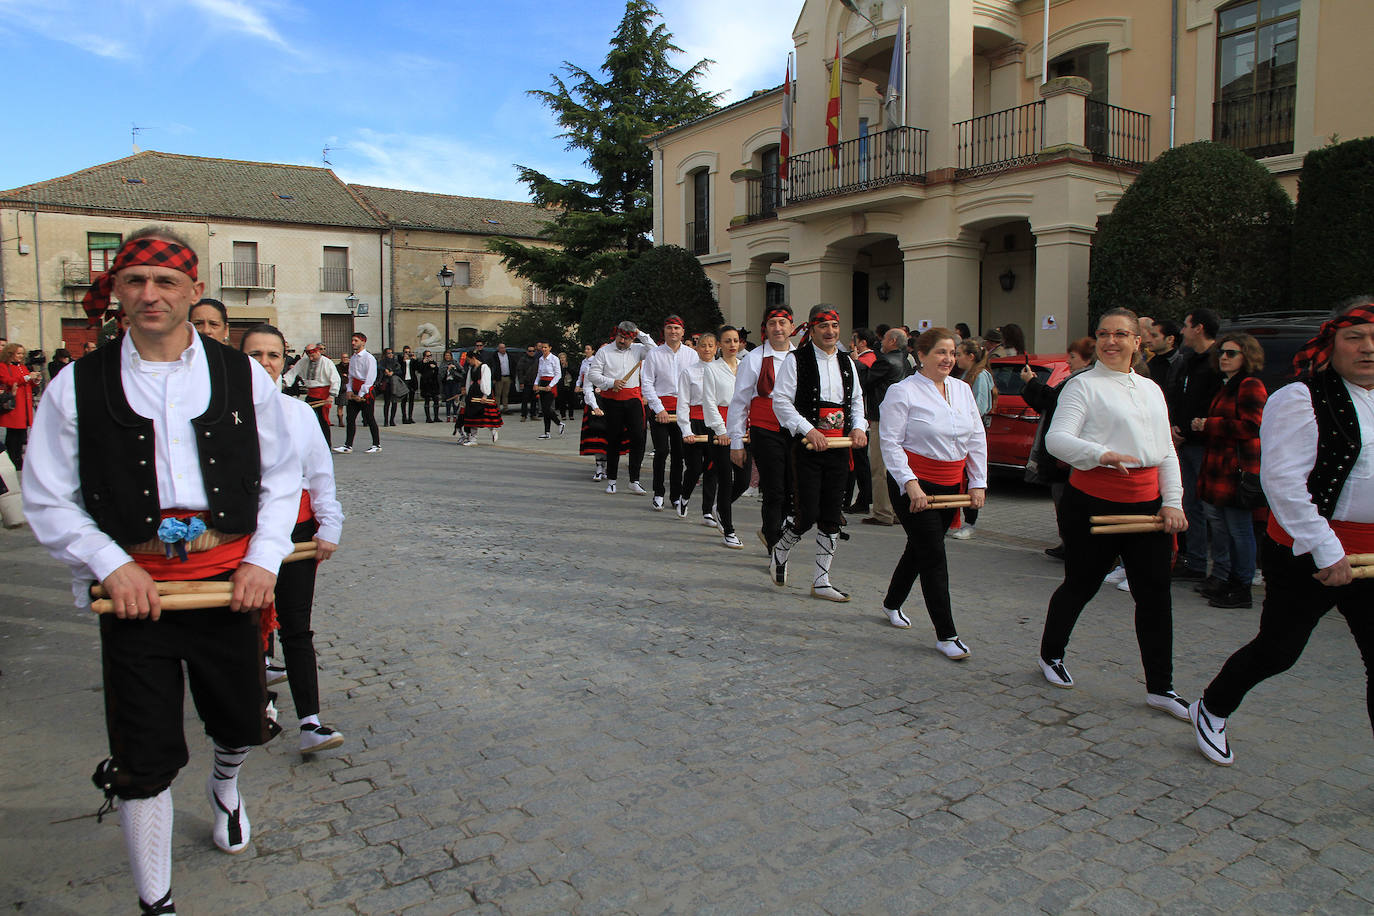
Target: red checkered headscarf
column 1316, row 353
column 142, row 251
column 805, row 329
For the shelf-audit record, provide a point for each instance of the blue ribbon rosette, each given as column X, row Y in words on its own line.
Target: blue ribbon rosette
column 176, row 533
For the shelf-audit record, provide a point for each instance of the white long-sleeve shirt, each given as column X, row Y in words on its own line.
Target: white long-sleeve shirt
column 948, row 427
column 317, row 467
column 662, row 368
column 362, row 367
column 717, row 389
column 549, row 368
column 171, row 395
column 746, row 387
column 612, row 364
column 483, row 380
column 689, row 396
column 1103, row 410
column 315, row 373
column 1288, row 451
column 832, row 390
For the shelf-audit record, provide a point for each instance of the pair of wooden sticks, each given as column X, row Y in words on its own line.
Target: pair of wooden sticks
column 1125, row 524
column 834, row 442
column 186, row 596
column 1362, row 565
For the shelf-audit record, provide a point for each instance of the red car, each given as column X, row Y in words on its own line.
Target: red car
column 1013, row 423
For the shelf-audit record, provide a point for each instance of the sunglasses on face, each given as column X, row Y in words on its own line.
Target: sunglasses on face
column 1230, row 353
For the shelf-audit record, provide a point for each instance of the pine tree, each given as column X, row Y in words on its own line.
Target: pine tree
column 600, row 226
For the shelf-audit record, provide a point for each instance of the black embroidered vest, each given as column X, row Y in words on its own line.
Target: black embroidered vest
column 116, row 457
column 808, row 398
column 1338, row 439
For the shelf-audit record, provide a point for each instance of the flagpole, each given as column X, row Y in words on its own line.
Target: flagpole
column 1045, row 49
column 906, row 77
column 839, row 125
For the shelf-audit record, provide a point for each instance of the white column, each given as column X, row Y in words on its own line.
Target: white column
column 940, row 283
column 1061, row 287
column 827, row 279
column 748, row 292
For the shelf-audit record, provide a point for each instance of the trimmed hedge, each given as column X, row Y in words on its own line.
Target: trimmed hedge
column 1333, row 227
column 663, row 281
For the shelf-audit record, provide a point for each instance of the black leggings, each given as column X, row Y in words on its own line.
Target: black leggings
column 295, row 599
column 1293, row 604
column 723, row 478
column 367, row 408
column 923, row 557
column 14, row 446
column 1089, row 557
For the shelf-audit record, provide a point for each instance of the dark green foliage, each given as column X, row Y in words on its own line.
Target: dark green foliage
column 602, row 225
column 1203, row 226
column 1333, row 227
column 534, row 323
column 663, row 281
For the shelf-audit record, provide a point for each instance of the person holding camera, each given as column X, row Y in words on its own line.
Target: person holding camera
column 17, row 383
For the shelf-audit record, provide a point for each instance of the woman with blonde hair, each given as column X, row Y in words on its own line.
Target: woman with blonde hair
column 18, row 380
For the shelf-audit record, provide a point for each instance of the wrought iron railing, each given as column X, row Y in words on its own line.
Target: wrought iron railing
column 1117, row 136
column 247, row 275
column 1001, row 140
column 698, row 236
column 886, row 157
column 336, row 279
column 1260, row 124
column 765, row 194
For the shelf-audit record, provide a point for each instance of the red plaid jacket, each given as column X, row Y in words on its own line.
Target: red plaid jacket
column 1232, row 438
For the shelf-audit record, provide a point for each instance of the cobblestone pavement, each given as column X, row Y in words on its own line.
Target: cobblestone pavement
column 559, row 701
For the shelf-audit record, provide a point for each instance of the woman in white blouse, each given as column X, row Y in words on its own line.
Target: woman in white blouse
column 691, row 420
column 1112, row 427
column 321, row 520
column 725, row 482
column 932, row 441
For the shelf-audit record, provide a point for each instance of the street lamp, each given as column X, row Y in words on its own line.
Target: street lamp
column 352, row 302
column 446, row 281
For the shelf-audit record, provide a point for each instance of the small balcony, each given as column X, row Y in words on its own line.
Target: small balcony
column 247, row 275
column 336, row 279
column 1117, row 136
column 883, row 158
column 697, row 236
column 998, row 141
column 1260, row 124
column 764, row 194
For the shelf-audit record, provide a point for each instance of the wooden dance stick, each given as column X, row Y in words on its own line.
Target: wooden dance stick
column 1123, row 519
column 1140, row 528
column 481, row 400
column 1361, row 559
column 174, row 602
column 178, row 588
column 1362, row 572
column 672, row 418
column 321, row 403
column 952, row 501
column 697, row 440
column 834, row 442
column 633, row 369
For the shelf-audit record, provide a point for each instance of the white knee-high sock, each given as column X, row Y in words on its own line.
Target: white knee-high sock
column 225, row 775
column 786, row 541
column 825, row 555
column 147, row 827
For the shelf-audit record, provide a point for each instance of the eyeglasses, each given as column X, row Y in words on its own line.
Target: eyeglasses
column 1121, row 336
column 1231, row 353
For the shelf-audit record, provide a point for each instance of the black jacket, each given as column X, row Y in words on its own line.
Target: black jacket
column 1192, row 385
column 887, row 370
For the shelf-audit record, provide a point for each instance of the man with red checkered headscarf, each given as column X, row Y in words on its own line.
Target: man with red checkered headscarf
column 166, row 456
column 1317, row 471
column 663, row 366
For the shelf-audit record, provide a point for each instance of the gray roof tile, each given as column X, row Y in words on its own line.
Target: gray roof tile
column 447, row 213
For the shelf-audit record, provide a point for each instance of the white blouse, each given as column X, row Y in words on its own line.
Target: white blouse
column 948, row 427
column 717, row 388
column 1288, row 451
column 317, row 467
column 1103, row 410
column 689, row 395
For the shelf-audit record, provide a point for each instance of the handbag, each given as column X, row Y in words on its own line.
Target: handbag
column 8, row 401
column 1249, row 493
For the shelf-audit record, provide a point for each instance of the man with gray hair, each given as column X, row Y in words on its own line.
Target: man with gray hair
column 887, row 370
column 321, row 380
column 615, row 373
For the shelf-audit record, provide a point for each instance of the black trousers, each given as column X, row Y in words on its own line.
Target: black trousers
column 408, row 404
column 772, row 453
column 367, row 408
column 295, row 598
column 723, row 485
column 861, row 478
column 1293, row 604
column 1088, row 558
column 667, row 458
column 819, row 495
column 322, row 414
column 388, row 405
column 14, row 446
column 145, row 691
column 695, row 460
column 923, row 556
column 620, row 416
column 547, row 406
column 529, row 407
column 431, row 406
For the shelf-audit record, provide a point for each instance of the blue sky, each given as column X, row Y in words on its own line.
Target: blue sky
column 420, row 95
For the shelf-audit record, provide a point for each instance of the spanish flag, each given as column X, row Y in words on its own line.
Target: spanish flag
column 832, row 111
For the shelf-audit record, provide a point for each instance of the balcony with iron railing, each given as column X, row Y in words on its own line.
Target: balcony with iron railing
column 336, row 279
column 697, row 236
column 764, row 196
column 997, row 141
column 1260, row 124
column 247, row 275
column 887, row 157
column 1117, row 136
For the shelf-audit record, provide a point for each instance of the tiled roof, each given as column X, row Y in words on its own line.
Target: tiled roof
column 446, row 213
column 171, row 185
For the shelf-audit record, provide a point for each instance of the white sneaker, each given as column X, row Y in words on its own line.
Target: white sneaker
column 953, row 648
column 963, row 533
column 636, row 489
column 828, row 592
column 373, row 449
column 897, row 618
column 1055, row 672
column 610, row 487
column 495, row 434
column 658, row 504
column 319, row 738
column 1210, row 732
column 344, row 449
column 709, row 521
column 1169, row 702
column 732, row 541
column 1115, row 576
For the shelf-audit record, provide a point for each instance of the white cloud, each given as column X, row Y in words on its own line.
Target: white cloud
column 241, row 17
column 55, row 22
column 748, row 41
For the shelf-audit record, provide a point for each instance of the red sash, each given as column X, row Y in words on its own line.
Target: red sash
column 669, row 402
column 945, row 473
column 546, row 381
column 1137, row 485
column 320, row 394
column 761, row 406
column 835, row 433
column 200, row 565
column 356, row 385
column 695, row 413
column 1355, row 537
column 724, row 411
column 624, row 394
column 305, row 512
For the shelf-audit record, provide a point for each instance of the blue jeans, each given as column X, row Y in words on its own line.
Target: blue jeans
column 1237, row 529
column 1198, row 539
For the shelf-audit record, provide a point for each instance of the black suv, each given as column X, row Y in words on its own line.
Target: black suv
column 1281, row 334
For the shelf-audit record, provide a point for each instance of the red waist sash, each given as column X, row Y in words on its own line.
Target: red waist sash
column 305, row 512
column 1355, row 537
column 828, row 431
column 624, row 394
column 545, row 381
column 945, row 473
column 695, row 413
column 724, row 411
column 761, row 414
column 320, row 393
column 203, row 564
column 1137, row 485
column 669, row 402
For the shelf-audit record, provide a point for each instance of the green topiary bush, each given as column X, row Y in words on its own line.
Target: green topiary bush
column 1333, row 225
column 1203, row 226
column 664, row 281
